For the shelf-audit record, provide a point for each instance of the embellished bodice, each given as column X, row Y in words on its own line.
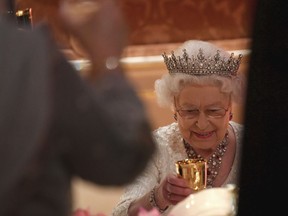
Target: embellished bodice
column 170, row 149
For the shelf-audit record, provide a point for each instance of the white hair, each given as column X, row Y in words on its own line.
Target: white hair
column 169, row 86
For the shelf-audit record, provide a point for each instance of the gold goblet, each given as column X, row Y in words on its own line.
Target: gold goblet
column 194, row 171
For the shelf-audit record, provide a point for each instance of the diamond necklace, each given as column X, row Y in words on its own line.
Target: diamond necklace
column 215, row 160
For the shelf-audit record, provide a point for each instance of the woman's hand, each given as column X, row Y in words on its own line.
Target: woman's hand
column 172, row 190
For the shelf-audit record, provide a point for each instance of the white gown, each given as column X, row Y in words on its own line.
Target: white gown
column 170, row 149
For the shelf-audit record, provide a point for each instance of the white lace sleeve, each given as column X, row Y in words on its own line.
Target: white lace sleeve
column 142, row 185
column 159, row 166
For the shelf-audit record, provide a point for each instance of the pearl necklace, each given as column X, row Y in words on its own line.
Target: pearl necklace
column 215, row 160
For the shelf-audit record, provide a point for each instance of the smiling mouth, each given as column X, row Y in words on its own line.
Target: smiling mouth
column 204, row 135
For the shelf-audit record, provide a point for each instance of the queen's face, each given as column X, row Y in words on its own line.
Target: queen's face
column 203, row 115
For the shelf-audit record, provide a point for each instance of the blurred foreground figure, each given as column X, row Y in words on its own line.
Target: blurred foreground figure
column 264, row 168
column 55, row 125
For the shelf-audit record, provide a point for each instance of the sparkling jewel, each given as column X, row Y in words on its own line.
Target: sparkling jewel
column 215, row 160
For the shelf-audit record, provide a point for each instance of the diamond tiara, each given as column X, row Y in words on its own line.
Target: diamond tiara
column 201, row 66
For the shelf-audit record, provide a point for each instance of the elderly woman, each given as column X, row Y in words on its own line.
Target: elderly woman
column 200, row 87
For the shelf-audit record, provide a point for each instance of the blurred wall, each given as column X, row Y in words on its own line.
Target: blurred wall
column 164, row 21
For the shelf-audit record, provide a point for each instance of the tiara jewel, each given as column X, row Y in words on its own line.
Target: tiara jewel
column 200, row 65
